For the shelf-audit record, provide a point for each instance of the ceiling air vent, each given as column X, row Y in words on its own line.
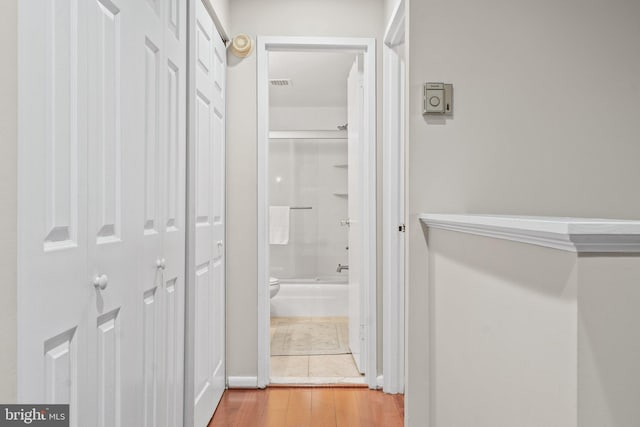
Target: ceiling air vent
column 280, row 82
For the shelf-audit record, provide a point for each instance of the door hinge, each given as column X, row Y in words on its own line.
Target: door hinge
column 402, row 228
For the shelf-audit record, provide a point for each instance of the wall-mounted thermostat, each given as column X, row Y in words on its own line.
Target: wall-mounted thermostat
column 438, row 98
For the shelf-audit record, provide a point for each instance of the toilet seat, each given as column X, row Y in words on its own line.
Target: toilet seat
column 274, row 286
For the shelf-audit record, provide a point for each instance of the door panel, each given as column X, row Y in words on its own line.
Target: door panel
column 104, row 129
column 102, row 194
column 52, row 225
column 152, row 137
column 61, row 371
column 61, row 127
column 115, row 207
column 163, row 233
column 209, row 364
column 151, row 297
column 108, row 382
column 150, row 316
column 174, row 161
column 173, row 85
column 355, row 110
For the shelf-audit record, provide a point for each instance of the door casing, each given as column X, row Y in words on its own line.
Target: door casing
column 366, row 47
column 393, row 196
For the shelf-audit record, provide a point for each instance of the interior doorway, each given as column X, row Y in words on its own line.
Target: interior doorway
column 316, row 211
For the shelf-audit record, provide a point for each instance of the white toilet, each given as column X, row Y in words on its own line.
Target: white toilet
column 274, row 286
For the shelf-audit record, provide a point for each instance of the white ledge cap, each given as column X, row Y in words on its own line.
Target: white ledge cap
column 590, row 235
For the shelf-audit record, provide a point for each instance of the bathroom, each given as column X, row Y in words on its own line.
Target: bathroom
column 308, row 194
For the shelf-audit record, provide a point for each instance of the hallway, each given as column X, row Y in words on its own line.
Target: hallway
column 301, row 406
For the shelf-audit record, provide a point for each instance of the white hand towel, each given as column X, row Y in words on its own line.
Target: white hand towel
column 279, row 225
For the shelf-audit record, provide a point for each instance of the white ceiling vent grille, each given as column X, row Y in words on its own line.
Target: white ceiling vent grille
column 280, row 82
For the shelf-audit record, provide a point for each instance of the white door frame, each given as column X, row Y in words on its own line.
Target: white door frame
column 366, row 46
column 393, row 248
column 190, row 276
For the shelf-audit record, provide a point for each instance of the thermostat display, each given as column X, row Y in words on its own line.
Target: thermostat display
column 438, row 98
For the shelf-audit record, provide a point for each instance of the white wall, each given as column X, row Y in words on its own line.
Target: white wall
column 504, row 332
column 355, row 18
column 531, row 133
column 608, row 341
column 531, row 336
column 307, row 118
column 8, row 200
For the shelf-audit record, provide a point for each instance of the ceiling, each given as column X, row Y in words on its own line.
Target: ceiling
column 318, row 79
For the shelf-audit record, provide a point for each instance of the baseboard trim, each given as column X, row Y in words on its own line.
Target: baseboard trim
column 242, row 382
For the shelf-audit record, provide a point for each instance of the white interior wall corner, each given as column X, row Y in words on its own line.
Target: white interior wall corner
column 8, row 199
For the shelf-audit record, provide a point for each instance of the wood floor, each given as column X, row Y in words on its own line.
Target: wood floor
column 309, row 407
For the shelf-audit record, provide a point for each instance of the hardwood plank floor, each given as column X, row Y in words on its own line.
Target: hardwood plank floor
column 309, row 407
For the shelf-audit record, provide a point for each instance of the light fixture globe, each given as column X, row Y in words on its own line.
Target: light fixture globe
column 241, row 46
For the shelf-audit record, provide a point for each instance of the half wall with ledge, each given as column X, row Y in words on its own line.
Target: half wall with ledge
column 534, row 321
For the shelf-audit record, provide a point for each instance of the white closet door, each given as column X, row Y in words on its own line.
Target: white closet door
column 102, row 179
column 115, row 208
column 209, row 363
column 153, row 262
column 54, row 290
column 161, row 96
column 173, row 183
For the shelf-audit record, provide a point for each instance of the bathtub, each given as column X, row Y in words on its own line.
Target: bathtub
column 311, row 298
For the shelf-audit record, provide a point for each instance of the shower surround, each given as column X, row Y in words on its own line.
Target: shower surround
column 310, row 173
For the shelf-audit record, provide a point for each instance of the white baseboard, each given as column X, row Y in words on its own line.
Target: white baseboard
column 379, row 381
column 318, row 380
column 242, row 382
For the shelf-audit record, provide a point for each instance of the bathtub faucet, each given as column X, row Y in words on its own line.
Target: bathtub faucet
column 342, row 267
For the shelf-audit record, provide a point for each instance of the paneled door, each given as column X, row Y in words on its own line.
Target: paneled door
column 172, row 179
column 101, row 202
column 115, row 190
column 355, row 109
column 55, row 290
column 209, row 265
column 161, row 96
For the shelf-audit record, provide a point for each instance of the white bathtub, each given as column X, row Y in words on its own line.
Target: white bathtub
column 311, row 299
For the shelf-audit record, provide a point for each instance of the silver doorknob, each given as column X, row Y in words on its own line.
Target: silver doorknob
column 161, row 263
column 346, row 222
column 101, row 282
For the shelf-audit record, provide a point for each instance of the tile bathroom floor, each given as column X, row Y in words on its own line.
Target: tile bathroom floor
column 302, row 347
